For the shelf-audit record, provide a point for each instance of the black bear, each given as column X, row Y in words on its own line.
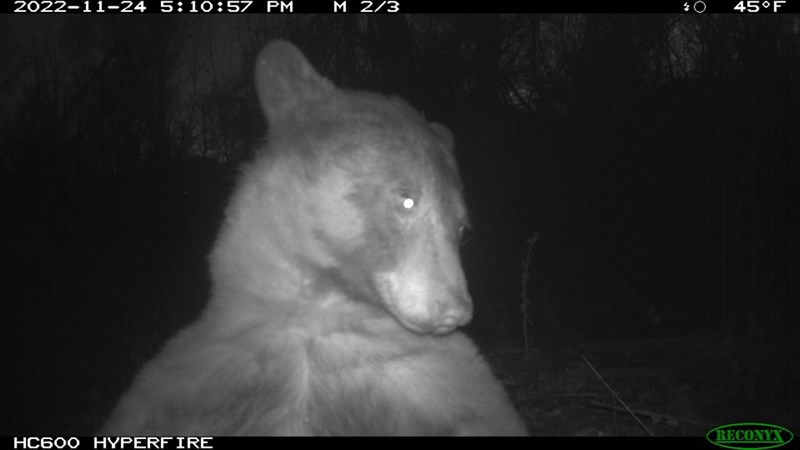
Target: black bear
column 337, row 284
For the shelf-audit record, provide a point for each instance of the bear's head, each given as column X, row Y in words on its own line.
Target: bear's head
column 355, row 196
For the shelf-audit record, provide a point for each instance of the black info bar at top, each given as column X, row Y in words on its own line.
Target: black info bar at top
column 744, row 7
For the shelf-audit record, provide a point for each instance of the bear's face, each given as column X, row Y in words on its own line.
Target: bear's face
column 356, row 196
column 391, row 215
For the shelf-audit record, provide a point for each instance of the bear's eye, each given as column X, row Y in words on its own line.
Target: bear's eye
column 406, row 199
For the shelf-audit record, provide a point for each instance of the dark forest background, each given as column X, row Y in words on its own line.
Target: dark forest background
column 656, row 156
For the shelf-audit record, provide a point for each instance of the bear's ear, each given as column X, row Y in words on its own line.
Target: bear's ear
column 285, row 79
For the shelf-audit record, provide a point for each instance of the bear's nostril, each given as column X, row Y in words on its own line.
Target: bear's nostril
column 456, row 314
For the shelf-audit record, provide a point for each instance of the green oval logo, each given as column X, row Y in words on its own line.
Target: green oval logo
column 749, row 435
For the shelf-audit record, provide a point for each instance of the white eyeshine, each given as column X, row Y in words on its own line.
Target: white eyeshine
column 408, row 203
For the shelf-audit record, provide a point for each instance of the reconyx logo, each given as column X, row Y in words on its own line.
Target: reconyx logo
column 749, row 436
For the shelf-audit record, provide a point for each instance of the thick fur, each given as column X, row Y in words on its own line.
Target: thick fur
column 337, row 284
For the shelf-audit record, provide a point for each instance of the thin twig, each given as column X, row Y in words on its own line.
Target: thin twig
column 526, row 276
column 616, row 396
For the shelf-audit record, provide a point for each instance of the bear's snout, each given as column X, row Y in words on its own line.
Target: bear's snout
column 455, row 312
